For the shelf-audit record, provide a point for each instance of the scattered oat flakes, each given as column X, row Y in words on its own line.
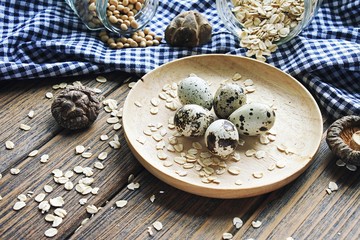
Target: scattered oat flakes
column 271, row 167
column 333, row 186
column 121, row 203
column 167, row 163
column 249, row 89
column 227, row 236
column 83, row 201
column 78, row 169
column 157, row 137
column 92, row 209
column 40, row 197
column 340, row 163
column 104, row 137
column 86, row 154
column 60, row 212
column 62, row 85
column 237, row 222
column 236, row 156
column 22, row 197
column 19, row 205
column 289, row 238
column 256, row 224
column 328, row 191
column 248, row 82
column 9, row 145
column 239, row 182
column 33, row 153
column 96, row 90
column 115, row 144
column 49, row 95
column 48, row 188
column 95, row 190
column 154, row 110
column 258, row 174
column 152, row 198
column 44, row 206
column 68, row 185
column 101, row 79
column 181, row 173
column 79, row 149
column 44, row 158
column 102, row 155
column 49, row 217
column 250, row 153
column 69, row 174
column 112, row 120
column 57, row 173
column 14, row 171
column 236, row 77
column 149, row 230
column 157, row 225
column 51, row 232
column 280, row 164
column 98, row 165
column 131, row 84
column 138, row 104
column 31, row 114
column 133, row 186
column 57, row 201
column 234, row 170
column 264, row 139
column 162, row 155
column 260, row 154
column 57, row 221
column 141, row 139
column 351, row 167
column 117, row 126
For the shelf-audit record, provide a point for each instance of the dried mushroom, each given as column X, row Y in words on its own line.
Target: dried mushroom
column 75, row 107
column 188, row 29
column 343, row 138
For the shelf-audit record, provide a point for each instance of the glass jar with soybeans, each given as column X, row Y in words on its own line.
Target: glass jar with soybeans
column 119, row 16
column 262, row 25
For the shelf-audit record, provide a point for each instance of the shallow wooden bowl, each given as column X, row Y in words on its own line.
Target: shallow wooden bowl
column 298, row 126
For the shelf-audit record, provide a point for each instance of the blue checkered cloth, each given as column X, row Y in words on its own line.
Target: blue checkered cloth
column 45, row 38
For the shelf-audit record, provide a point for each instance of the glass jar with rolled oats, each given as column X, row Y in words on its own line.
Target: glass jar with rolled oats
column 119, row 16
column 262, row 25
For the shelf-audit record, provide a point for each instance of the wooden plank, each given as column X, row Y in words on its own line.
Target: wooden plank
column 184, row 216
column 43, row 124
column 34, row 176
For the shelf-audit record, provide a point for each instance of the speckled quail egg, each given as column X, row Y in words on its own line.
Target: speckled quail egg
column 195, row 90
column 228, row 98
column 221, row 137
column 253, row 119
column 192, row 120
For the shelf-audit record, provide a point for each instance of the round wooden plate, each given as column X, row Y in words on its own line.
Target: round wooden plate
column 298, row 127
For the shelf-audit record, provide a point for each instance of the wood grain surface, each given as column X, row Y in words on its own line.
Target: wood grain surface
column 301, row 209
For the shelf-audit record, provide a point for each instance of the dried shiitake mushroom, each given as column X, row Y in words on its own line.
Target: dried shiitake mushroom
column 75, row 107
column 343, row 138
column 188, row 29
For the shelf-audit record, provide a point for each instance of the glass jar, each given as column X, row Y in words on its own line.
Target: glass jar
column 232, row 15
column 118, row 16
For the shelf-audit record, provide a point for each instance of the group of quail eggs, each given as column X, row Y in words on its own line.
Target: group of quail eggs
column 235, row 116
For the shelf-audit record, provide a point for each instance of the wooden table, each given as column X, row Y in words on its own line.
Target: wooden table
column 301, row 210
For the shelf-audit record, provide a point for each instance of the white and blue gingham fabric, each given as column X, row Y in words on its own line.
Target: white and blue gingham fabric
column 45, row 38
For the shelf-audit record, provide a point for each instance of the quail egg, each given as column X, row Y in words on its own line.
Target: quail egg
column 228, row 98
column 253, row 119
column 192, row 120
column 221, row 137
column 195, row 90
